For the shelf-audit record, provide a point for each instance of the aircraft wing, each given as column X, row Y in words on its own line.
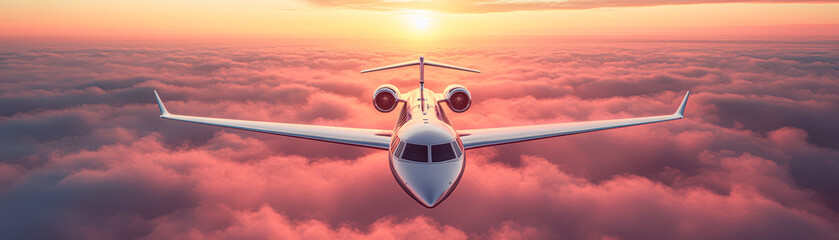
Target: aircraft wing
column 476, row 138
column 372, row 138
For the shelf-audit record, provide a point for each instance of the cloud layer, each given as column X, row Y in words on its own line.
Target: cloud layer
column 85, row 155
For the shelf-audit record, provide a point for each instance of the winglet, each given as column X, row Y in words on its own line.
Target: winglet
column 681, row 111
column 163, row 111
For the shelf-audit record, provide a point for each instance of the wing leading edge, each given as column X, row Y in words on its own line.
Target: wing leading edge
column 372, row 138
column 476, row 138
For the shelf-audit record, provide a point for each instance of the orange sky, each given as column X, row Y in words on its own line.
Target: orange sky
column 258, row 18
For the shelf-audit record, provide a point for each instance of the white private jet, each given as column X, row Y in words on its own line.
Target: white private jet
column 426, row 155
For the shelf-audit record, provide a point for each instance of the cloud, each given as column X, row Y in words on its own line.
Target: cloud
column 474, row 6
column 265, row 223
column 86, row 156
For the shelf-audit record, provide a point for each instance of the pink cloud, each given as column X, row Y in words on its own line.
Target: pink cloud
column 86, row 156
column 264, row 222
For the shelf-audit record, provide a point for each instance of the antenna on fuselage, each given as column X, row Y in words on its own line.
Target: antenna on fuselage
column 421, row 62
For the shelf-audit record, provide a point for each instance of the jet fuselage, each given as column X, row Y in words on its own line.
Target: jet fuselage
column 426, row 155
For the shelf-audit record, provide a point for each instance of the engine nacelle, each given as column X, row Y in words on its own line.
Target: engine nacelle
column 458, row 98
column 385, row 98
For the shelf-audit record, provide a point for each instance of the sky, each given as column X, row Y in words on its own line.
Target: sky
column 84, row 155
column 412, row 20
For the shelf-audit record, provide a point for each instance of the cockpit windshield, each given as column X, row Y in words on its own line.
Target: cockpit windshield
column 419, row 153
column 416, row 153
column 442, row 152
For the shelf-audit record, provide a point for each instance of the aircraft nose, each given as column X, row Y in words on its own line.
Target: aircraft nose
column 428, row 183
column 430, row 194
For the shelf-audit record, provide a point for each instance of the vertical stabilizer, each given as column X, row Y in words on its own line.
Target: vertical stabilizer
column 422, row 83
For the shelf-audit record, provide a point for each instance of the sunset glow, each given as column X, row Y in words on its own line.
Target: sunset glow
column 85, row 154
column 301, row 19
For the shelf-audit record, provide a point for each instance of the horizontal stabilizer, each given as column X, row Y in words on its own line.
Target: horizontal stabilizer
column 443, row 65
column 398, row 65
column 423, row 62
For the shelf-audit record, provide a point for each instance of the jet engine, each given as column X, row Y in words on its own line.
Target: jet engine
column 458, row 98
column 385, row 98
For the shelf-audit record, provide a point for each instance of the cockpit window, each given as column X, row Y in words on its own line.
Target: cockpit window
column 416, row 153
column 456, row 148
column 399, row 148
column 442, row 152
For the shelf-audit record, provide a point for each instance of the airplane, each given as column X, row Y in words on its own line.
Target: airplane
column 426, row 155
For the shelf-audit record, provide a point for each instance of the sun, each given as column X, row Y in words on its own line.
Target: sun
column 419, row 20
